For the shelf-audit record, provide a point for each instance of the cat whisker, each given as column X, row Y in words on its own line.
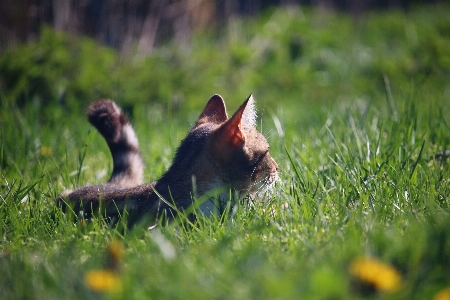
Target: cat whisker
column 269, row 133
column 266, row 183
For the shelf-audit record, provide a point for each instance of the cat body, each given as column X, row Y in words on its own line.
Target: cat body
column 219, row 153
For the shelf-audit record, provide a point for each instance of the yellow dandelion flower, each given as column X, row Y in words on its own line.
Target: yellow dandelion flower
column 443, row 294
column 103, row 281
column 381, row 276
column 115, row 254
column 108, row 279
column 115, row 250
column 46, row 151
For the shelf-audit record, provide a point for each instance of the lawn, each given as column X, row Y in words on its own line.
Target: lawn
column 355, row 111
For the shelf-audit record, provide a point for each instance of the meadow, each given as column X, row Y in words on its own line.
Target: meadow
column 355, row 111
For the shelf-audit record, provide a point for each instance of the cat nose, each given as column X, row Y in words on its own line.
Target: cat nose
column 275, row 164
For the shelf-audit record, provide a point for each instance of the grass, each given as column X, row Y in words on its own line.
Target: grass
column 355, row 151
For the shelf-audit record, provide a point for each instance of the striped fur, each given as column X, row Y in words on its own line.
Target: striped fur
column 112, row 123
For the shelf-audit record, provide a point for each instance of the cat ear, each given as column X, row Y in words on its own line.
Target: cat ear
column 249, row 114
column 214, row 112
column 230, row 136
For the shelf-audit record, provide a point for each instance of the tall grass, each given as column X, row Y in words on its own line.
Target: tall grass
column 356, row 154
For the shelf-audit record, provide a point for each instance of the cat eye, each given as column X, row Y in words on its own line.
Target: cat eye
column 260, row 158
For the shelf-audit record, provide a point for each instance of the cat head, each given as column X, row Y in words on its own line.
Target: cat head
column 238, row 152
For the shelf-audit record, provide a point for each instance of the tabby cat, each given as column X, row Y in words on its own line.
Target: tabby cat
column 219, row 153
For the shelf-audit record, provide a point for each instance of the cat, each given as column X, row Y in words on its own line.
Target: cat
column 218, row 153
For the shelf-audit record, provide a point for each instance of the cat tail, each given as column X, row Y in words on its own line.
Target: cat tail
column 115, row 127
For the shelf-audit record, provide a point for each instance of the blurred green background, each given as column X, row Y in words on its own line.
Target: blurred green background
column 353, row 97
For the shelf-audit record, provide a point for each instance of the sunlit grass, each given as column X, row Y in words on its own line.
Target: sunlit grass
column 361, row 209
